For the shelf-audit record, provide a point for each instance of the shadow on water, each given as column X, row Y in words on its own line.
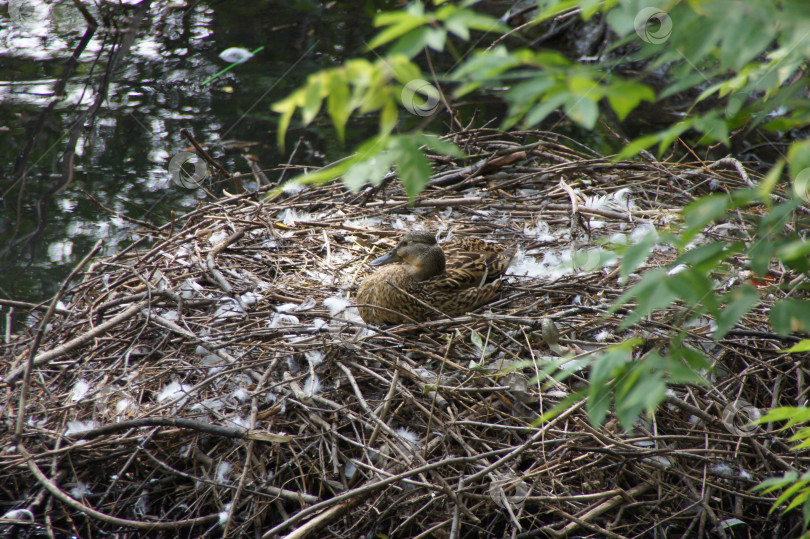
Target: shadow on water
column 93, row 103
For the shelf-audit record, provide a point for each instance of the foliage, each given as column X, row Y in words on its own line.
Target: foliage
column 689, row 277
column 631, row 385
column 541, row 82
column 362, row 87
column 795, row 487
column 375, row 157
column 358, row 86
column 749, row 53
column 742, row 64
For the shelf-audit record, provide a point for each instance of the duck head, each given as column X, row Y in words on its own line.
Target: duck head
column 418, row 253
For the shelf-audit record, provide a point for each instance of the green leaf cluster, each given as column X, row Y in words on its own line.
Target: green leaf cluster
column 795, row 487
column 363, row 87
column 359, row 86
column 375, row 157
column 747, row 57
column 541, row 82
column 629, row 384
column 635, row 386
column 413, row 29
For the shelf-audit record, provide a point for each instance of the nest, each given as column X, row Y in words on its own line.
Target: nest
column 221, row 382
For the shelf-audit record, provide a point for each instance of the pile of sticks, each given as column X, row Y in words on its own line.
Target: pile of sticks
column 215, row 378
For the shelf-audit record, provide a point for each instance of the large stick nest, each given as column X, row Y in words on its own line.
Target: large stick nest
column 221, row 381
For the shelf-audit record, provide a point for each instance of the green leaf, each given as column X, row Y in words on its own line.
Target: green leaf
column 371, row 170
column 636, row 254
column 644, row 393
column 523, row 95
column 775, row 483
column 685, row 365
column 651, row 293
column 564, row 405
column 740, row 301
column 747, row 37
column 551, row 60
column 435, row 38
column 443, row 147
column 802, row 434
column 585, row 86
column 539, row 112
column 761, row 252
column 401, row 67
column 287, row 107
column 609, row 365
column 769, row 182
column 486, row 66
column 802, row 346
column 636, row 146
column 693, row 358
column 320, row 176
column 788, row 492
column 412, row 43
column 467, row 18
column 695, row 289
column 312, row 101
column 683, row 83
column 625, row 96
column 784, row 413
column 794, row 251
column 599, row 399
column 389, row 117
column 663, row 138
column 412, row 166
column 702, row 211
column 791, row 315
column 456, row 25
column 714, row 88
column 583, row 110
column 476, row 339
column 399, row 23
column 589, row 8
column 337, row 103
column 799, row 160
column 778, row 217
column 707, row 257
column 714, row 129
column 741, row 198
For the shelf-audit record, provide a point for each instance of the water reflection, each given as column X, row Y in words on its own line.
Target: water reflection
column 95, row 115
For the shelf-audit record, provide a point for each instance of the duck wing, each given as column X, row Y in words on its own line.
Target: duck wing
column 455, row 301
column 472, row 262
column 387, row 294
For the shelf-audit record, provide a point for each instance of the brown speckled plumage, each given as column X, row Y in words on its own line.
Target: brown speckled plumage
column 423, row 281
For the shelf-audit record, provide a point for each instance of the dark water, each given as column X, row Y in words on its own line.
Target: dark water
column 48, row 221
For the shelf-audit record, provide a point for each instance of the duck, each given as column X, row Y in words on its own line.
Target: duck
column 418, row 280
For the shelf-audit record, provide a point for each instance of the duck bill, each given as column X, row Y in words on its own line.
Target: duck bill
column 387, row 258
